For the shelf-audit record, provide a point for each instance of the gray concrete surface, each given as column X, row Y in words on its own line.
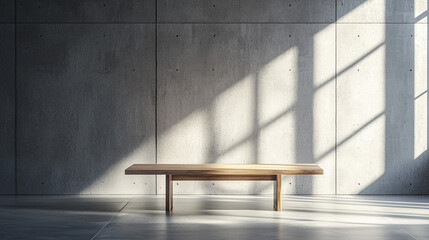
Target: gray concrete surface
column 78, row 11
column 101, row 86
column 7, row 11
column 86, row 107
column 214, row 217
column 250, row 11
column 7, row 106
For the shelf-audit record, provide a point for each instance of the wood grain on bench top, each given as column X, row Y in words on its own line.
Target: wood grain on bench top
column 225, row 169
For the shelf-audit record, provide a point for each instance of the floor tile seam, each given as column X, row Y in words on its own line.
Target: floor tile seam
column 110, row 220
column 400, row 228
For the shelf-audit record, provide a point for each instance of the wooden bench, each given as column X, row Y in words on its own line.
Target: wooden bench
column 219, row 172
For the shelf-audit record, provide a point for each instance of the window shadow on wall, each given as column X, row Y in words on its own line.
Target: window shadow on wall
column 406, row 162
column 226, row 93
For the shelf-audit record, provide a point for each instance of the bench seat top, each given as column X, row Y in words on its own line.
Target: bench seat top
column 224, row 169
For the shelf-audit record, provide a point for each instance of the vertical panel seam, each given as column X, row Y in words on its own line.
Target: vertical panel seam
column 16, row 112
column 110, row 220
column 156, row 92
column 336, row 98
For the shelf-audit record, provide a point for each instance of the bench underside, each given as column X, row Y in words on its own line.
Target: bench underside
column 224, row 177
column 169, row 178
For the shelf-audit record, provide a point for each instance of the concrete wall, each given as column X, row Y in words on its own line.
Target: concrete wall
column 86, row 96
column 7, row 98
column 102, row 85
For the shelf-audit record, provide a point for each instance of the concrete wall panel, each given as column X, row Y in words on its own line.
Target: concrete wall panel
column 7, row 108
column 86, row 107
column 382, row 125
column 7, row 11
column 247, row 94
column 299, row 11
column 85, row 11
column 381, row 11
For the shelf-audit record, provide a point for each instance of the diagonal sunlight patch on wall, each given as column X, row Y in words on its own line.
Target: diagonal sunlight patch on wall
column 361, row 104
column 274, row 77
column 363, row 11
column 381, row 11
column 420, row 90
column 323, row 108
column 420, row 10
column 277, row 94
column 251, row 119
column 233, row 119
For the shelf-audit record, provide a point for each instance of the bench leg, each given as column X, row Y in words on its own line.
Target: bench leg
column 278, row 193
column 168, row 193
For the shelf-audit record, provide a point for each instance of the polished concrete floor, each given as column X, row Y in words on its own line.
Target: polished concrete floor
column 214, row 217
